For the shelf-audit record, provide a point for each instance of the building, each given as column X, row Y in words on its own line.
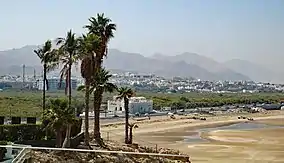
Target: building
column 54, row 84
column 136, row 105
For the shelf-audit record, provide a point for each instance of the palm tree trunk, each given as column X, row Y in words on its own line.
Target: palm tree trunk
column 58, row 138
column 130, row 134
column 126, row 102
column 97, row 105
column 97, row 100
column 87, row 99
column 66, row 143
column 70, row 87
column 44, row 85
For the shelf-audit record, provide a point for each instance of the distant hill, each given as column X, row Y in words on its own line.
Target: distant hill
column 184, row 65
column 255, row 71
column 218, row 69
column 166, row 66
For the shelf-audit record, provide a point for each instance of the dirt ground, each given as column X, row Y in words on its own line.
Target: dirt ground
column 222, row 146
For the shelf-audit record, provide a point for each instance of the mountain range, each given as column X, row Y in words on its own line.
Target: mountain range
column 182, row 65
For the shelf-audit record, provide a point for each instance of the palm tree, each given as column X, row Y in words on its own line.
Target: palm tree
column 59, row 118
column 124, row 94
column 48, row 59
column 100, row 26
column 88, row 44
column 68, row 53
column 131, row 126
column 99, row 85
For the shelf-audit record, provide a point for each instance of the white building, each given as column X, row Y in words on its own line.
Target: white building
column 136, row 105
column 54, row 83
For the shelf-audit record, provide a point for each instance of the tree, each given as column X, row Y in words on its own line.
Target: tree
column 102, row 27
column 88, row 44
column 125, row 94
column 99, row 85
column 60, row 117
column 68, row 55
column 48, row 60
column 131, row 126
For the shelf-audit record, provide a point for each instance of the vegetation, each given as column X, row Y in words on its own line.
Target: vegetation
column 59, row 118
column 131, row 127
column 124, row 94
column 196, row 100
column 100, row 85
column 90, row 49
column 20, row 132
column 48, row 59
column 68, row 55
column 3, row 151
column 102, row 27
column 28, row 103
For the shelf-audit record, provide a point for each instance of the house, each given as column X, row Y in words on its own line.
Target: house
column 136, row 105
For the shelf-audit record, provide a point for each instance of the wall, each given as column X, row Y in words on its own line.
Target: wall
column 135, row 106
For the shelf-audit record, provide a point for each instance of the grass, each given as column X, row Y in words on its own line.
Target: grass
column 29, row 103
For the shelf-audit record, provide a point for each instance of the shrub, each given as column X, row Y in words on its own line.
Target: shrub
column 2, row 119
column 31, row 120
column 16, row 120
column 19, row 132
column 76, row 128
column 3, row 151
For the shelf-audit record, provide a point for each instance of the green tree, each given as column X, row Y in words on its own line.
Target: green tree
column 48, row 60
column 60, row 118
column 88, row 44
column 68, row 56
column 131, row 126
column 102, row 27
column 125, row 93
column 99, row 85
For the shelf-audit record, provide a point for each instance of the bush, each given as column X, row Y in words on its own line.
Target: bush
column 76, row 128
column 19, row 132
column 3, row 151
column 16, row 120
column 31, row 120
column 2, row 119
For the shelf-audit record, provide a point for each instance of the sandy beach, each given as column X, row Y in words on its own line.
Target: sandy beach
column 261, row 145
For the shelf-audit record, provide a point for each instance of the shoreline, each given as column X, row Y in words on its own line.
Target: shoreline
column 167, row 124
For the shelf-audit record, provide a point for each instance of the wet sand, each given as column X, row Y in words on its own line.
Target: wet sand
column 261, row 145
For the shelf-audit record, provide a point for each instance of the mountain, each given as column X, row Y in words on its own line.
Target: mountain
column 166, row 66
column 20, row 56
column 218, row 69
column 255, row 71
column 181, row 65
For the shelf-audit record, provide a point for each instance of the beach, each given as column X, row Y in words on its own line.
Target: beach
column 214, row 145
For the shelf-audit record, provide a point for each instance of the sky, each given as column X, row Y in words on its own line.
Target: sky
column 221, row 29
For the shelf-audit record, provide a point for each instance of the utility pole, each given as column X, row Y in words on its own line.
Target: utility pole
column 34, row 74
column 24, row 71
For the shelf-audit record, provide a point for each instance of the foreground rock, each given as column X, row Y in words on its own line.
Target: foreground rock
column 48, row 156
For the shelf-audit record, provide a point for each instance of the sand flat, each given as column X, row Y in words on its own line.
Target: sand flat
column 261, row 145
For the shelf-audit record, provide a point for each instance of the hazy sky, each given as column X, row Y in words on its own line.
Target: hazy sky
column 220, row 29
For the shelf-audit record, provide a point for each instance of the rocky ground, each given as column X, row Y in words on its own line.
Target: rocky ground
column 46, row 156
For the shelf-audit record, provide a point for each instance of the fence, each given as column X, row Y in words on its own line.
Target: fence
column 120, row 156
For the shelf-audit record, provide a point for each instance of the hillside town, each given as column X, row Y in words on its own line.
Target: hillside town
column 147, row 82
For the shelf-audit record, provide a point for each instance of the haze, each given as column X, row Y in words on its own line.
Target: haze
column 220, row 29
